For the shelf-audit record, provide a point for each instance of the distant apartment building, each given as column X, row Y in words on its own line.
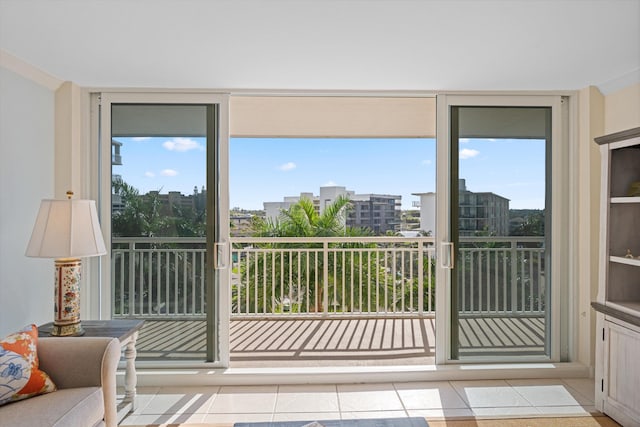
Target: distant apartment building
column 272, row 209
column 410, row 220
column 170, row 204
column 482, row 211
column 427, row 207
column 116, row 157
column 174, row 201
column 117, row 205
column 478, row 212
column 381, row 213
column 378, row 212
column 116, row 160
column 241, row 224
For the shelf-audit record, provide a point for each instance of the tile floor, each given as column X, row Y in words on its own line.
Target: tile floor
column 432, row 400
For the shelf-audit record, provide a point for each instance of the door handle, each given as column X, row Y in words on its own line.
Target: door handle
column 221, row 255
column 447, row 255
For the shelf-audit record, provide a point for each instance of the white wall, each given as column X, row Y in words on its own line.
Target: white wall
column 622, row 109
column 428, row 212
column 590, row 125
column 26, row 177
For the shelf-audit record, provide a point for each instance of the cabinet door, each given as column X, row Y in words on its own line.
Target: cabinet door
column 622, row 373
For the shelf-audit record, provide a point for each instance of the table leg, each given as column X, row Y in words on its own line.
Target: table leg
column 130, row 379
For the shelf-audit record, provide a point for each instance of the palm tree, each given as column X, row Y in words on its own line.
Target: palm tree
column 302, row 220
column 306, row 294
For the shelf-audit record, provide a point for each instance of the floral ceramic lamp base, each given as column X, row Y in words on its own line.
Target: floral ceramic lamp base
column 67, row 298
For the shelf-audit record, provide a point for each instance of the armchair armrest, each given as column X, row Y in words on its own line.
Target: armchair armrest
column 82, row 362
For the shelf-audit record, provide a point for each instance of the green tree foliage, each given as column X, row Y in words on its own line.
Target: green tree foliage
column 290, row 276
column 527, row 222
column 147, row 215
column 302, row 220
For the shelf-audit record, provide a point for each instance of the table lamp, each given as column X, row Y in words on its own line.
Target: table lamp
column 66, row 230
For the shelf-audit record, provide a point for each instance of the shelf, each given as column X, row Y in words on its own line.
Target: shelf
column 625, row 200
column 618, row 335
column 626, row 311
column 623, row 260
column 631, row 307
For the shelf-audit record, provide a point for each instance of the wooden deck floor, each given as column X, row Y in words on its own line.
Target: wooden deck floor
column 338, row 342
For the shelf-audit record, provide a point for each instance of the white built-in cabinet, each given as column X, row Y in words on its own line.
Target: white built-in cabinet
column 617, row 391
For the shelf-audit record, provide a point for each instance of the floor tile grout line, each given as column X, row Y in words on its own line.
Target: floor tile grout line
column 520, row 394
column 562, row 383
column 275, row 403
column 455, row 389
column 216, row 395
column 140, row 410
column 335, row 387
column 404, row 408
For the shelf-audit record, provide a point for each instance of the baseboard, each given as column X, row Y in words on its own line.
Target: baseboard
column 349, row 375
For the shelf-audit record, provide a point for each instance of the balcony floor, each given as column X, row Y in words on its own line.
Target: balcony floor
column 339, row 341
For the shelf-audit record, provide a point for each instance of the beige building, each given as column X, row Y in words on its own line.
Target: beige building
column 379, row 213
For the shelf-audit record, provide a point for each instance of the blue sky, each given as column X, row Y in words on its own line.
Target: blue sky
column 268, row 169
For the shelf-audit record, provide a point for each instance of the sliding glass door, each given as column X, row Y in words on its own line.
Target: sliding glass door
column 164, row 174
column 496, row 228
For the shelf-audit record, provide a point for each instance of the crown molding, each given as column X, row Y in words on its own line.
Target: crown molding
column 28, row 71
column 614, row 85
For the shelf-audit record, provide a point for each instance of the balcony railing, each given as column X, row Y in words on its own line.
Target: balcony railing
column 375, row 275
column 501, row 275
column 165, row 277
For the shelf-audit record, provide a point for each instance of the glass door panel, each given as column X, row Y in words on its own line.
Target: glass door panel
column 166, row 221
column 500, row 229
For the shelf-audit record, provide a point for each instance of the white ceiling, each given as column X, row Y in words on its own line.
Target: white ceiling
column 329, row 44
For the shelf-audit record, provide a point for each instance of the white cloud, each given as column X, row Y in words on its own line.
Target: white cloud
column 182, row 144
column 169, row 172
column 287, row 167
column 426, row 162
column 464, row 140
column 149, row 174
column 141, row 138
column 467, row 153
column 329, row 184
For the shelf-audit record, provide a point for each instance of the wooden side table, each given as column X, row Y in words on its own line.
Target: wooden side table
column 127, row 332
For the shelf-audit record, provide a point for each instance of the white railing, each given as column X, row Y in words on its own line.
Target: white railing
column 375, row 275
column 165, row 277
column 501, row 275
column 158, row 276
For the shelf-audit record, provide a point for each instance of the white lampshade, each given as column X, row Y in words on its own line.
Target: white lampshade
column 66, row 229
